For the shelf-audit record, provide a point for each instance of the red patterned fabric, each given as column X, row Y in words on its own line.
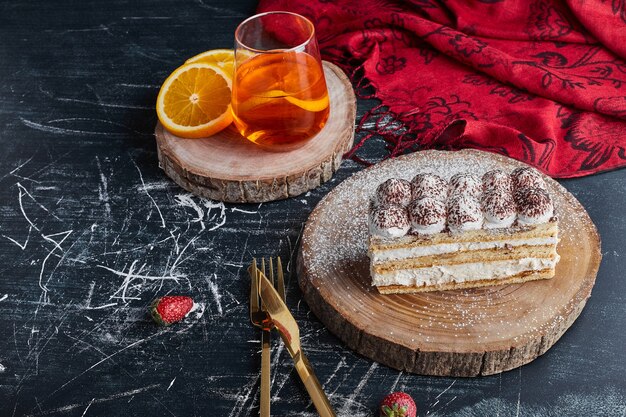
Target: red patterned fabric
column 541, row 81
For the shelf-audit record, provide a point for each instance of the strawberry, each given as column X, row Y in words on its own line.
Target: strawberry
column 398, row 404
column 170, row 309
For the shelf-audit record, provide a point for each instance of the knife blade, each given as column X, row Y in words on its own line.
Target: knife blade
column 283, row 321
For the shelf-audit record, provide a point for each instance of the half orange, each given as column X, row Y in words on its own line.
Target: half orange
column 223, row 58
column 194, row 101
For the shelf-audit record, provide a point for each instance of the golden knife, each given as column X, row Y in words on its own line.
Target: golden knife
column 286, row 325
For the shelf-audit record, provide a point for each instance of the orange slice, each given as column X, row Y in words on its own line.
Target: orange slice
column 223, row 58
column 312, row 105
column 194, row 101
column 309, row 105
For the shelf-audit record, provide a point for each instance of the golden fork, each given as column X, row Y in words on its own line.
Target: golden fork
column 258, row 317
column 279, row 317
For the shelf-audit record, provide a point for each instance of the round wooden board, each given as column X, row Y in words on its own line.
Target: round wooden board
column 454, row 333
column 229, row 168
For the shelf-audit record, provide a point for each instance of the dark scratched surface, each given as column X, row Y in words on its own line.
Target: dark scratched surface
column 91, row 230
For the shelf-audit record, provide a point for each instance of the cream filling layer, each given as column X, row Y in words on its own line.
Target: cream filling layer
column 462, row 272
column 417, row 251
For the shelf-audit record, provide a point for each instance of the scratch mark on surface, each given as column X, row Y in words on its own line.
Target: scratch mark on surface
column 170, row 385
column 87, row 408
column 95, row 93
column 23, row 191
column 100, row 28
column 106, row 358
column 219, row 218
column 347, row 405
column 139, row 85
column 148, row 194
column 275, row 360
column 186, row 200
column 160, row 185
column 445, row 390
column 146, row 17
column 395, row 384
column 103, row 192
column 4, row 297
column 92, row 119
column 124, row 394
column 140, row 50
column 21, row 165
column 60, row 130
column 242, row 398
column 220, row 10
column 340, row 365
column 57, row 245
column 22, row 246
column 216, row 294
column 90, row 294
column 448, row 403
column 243, row 211
column 178, row 260
column 17, row 168
column 101, row 104
column 130, row 276
column 100, row 308
column 17, row 351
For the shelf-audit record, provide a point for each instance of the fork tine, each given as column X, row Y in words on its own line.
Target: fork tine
column 254, row 288
column 281, row 279
column 271, row 277
column 263, row 266
column 262, row 270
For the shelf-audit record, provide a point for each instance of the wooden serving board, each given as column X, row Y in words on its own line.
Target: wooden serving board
column 228, row 167
column 454, row 333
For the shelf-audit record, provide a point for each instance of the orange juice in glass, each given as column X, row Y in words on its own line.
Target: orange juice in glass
column 280, row 99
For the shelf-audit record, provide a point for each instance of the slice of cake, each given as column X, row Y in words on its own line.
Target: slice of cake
column 431, row 234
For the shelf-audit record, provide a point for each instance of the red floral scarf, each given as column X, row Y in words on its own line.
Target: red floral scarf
column 540, row 81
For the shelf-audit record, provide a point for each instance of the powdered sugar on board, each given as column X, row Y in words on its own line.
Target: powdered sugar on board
column 334, row 256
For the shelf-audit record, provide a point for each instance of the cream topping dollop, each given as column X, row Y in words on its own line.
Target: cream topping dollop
column 466, row 184
column 429, row 185
column 497, row 180
column 427, row 215
column 389, row 220
column 527, row 177
column 499, row 209
column 464, row 214
column 534, row 206
column 393, row 191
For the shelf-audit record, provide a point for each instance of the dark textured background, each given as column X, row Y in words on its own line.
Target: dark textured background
column 91, row 230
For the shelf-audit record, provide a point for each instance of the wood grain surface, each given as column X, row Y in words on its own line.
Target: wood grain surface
column 472, row 332
column 229, row 168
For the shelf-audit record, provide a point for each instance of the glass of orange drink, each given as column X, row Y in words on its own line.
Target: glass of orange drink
column 280, row 99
